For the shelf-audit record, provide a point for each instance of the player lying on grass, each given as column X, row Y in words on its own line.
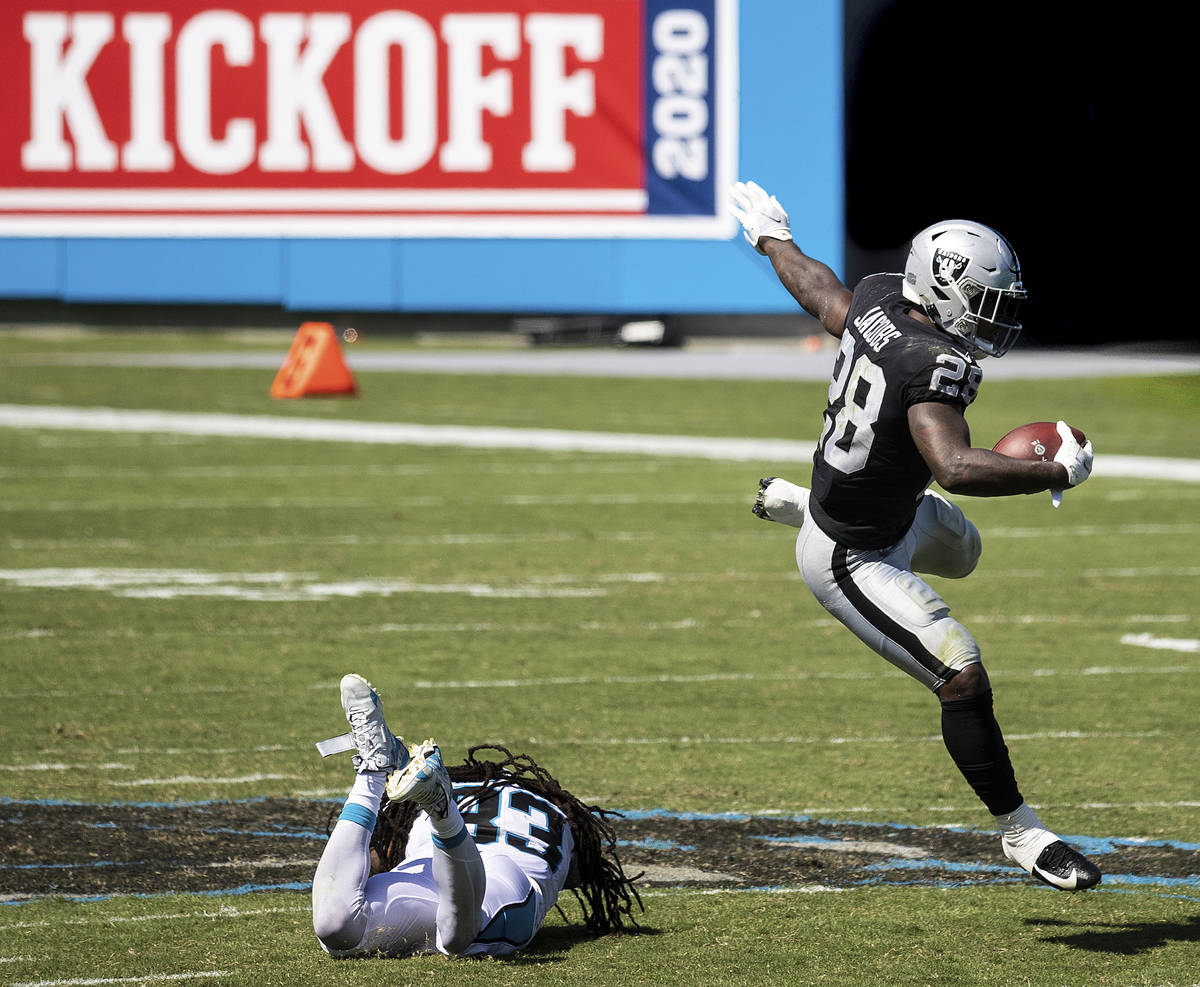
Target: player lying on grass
column 902, row 381
column 465, row 861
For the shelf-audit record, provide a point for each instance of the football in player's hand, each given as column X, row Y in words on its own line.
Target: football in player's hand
column 1037, row 440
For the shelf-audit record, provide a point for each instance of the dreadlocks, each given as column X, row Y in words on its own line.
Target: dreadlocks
column 604, row 892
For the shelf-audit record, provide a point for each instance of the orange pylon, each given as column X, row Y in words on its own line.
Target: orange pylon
column 313, row 365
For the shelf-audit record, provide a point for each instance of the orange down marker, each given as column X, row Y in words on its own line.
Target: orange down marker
column 313, row 365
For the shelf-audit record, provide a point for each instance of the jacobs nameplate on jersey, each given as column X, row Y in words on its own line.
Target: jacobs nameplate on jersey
column 433, row 118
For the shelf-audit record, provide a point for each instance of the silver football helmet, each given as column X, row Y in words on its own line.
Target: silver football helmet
column 966, row 277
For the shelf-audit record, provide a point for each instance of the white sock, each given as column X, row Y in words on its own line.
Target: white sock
column 447, row 827
column 1024, row 835
column 367, row 790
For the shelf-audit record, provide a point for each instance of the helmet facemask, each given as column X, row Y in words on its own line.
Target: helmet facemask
column 989, row 322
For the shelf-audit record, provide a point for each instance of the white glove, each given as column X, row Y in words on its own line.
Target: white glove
column 1075, row 457
column 760, row 214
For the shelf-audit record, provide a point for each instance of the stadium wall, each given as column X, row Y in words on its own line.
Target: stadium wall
column 534, row 156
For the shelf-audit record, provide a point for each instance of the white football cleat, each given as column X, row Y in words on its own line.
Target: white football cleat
column 424, row 780
column 378, row 749
column 781, row 500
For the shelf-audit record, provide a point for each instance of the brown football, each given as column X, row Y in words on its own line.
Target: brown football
column 1037, row 440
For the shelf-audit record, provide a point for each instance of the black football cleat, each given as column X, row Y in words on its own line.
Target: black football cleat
column 1065, row 868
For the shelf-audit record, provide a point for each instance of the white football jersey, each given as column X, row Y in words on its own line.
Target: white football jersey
column 526, row 846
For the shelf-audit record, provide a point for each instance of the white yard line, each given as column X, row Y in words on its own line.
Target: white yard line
column 703, row 740
column 320, row 430
column 228, row 912
column 278, row 586
column 538, row 439
column 42, row 766
column 200, row 504
column 561, row 681
column 1091, row 530
column 149, row 978
column 503, row 467
column 686, row 625
column 270, row 863
column 1186, row 644
column 707, row 741
column 272, row 587
column 1143, row 496
column 970, row 811
column 551, row 537
column 198, row 780
column 346, row 503
column 683, row 740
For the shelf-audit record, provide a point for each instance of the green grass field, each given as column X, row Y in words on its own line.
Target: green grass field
column 176, row 611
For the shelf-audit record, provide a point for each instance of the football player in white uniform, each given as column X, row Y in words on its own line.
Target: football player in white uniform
column 905, row 373
column 464, row 861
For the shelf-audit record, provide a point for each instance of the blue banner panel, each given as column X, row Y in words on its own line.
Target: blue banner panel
column 682, row 112
column 185, row 271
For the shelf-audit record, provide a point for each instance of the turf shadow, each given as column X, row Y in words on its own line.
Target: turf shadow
column 552, row 943
column 1124, row 939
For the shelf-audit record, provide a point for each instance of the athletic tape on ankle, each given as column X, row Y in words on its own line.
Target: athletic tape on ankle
column 335, row 745
column 360, row 814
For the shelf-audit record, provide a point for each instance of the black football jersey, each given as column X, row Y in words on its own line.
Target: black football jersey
column 868, row 476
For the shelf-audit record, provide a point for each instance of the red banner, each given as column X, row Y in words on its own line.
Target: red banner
column 362, row 119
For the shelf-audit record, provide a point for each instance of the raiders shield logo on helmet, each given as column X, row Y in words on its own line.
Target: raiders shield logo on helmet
column 948, row 266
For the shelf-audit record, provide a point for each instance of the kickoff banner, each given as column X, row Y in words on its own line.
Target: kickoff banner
column 431, row 118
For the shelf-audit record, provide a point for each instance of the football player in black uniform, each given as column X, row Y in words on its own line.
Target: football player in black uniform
column 905, row 373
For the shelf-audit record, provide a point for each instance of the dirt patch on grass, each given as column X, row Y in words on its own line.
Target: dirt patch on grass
column 82, row 851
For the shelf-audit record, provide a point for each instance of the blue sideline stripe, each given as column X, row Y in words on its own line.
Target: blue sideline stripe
column 83, row 866
column 360, row 814
column 311, row 834
column 653, row 844
column 1087, row 844
column 1125, row 883
column 930, row 863
column 215, row 893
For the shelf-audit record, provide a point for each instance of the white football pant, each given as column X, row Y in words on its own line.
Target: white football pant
column 878, row 596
